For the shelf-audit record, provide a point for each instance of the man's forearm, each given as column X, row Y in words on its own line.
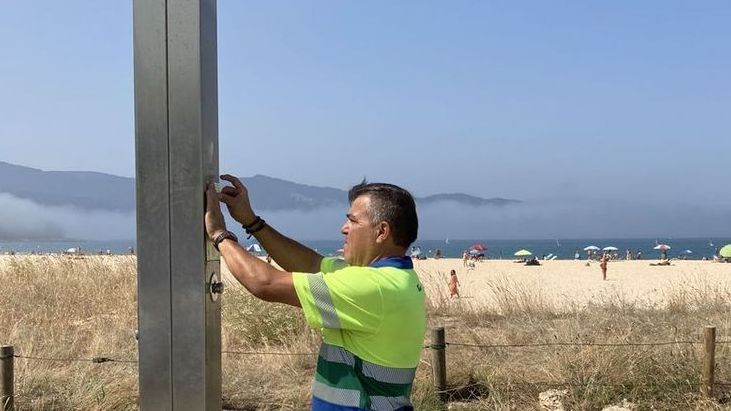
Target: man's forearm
column 288, row 253
column 261, row 279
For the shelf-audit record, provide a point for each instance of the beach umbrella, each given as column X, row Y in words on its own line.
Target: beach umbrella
column 478, row 247
column 725, row 251
column 610, row 248
column 688, row 252
column 254, row 247
column 661, row 247
column 474, row 252
column 592, row 248
column 522, row 253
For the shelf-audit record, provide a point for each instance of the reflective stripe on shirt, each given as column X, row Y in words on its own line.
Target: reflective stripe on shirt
column 333, row 353
column 334, row 395
column 344, row 379
column 323, row 301
column 388, row 374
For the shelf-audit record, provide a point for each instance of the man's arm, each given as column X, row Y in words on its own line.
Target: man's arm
column 288, row 253
column 261, row 279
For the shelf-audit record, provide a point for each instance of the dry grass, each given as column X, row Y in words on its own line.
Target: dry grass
column 653, row 377
column 65, row 308
column 80, row 308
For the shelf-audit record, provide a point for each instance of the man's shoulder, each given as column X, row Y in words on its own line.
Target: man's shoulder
column 332, row 264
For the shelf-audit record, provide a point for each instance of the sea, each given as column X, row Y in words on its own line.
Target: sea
column 688, row 248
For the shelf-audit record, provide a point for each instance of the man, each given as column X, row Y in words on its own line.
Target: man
column 370, row 307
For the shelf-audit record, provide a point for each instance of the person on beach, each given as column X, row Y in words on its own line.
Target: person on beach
column 603, row 264
column 629, row 254
column 368, row 307
column 639, row 255
column 453, row 284
column 465, row 258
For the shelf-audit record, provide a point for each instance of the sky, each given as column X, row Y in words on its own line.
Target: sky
column 555, row 102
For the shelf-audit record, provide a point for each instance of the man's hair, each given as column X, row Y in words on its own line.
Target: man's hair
column 392, row 204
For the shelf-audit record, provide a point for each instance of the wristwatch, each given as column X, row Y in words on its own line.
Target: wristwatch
column 222, row 236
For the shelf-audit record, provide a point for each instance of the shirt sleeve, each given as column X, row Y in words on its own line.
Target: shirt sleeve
column 332, row 264
column 348, row 299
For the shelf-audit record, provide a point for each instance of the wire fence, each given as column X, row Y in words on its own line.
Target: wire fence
column 566, row 384
column 95, row 360
column 268, row 353
column 438, row 365
column 706, row 382
column 577, row 344
column 100, row 360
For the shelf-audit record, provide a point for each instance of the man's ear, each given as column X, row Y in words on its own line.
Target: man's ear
column 383, row 233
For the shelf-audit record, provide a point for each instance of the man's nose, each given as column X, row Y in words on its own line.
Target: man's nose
column 344, row 228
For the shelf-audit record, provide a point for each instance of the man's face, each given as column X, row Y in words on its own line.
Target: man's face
column 360, row 233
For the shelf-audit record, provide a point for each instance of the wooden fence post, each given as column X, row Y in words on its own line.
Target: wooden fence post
column 439, row 361
column 7, row 358
column 709, row 360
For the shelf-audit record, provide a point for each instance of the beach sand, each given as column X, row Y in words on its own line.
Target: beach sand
column 570, row 283
column 561, row 284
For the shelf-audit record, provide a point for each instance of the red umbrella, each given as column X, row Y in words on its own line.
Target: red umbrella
column 478, row 247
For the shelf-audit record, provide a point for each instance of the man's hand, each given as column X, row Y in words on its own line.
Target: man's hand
column 214, row 218
column 237, row 200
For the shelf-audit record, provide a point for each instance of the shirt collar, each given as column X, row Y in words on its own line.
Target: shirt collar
column 404, row 263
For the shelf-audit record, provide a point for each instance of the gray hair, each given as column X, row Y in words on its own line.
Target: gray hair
column 392, row 204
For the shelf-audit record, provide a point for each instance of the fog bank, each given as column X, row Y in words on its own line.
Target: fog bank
column 25, row 220
column 22, row 219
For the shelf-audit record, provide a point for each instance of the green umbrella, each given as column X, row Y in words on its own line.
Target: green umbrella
column 523, row 253
column 725, row 252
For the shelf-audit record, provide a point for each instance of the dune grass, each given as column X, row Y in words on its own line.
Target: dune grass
column 65, row 308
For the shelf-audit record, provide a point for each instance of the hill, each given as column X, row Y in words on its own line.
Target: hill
column 98, row 191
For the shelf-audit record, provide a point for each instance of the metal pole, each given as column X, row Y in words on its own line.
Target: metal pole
column 176, row 121
column 7, row 391
column 439, row 361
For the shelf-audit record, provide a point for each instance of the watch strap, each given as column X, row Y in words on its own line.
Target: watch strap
column 222, row 236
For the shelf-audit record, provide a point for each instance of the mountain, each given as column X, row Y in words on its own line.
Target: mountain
column 83, row 189
column 99, row 191
column 466, row 199
column 268, row 193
